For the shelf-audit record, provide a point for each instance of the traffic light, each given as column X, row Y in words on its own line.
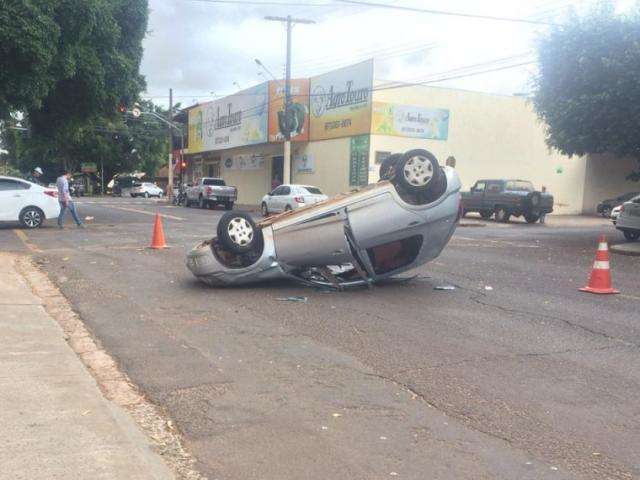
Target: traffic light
column 183, row 164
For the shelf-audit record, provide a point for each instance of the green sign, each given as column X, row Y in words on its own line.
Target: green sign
column 359, row 161
column 88, row 167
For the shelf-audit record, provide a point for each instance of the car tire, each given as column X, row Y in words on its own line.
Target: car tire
column 502, row 215
column 418, row 172
column 238, row 232
column 606, row 212
column 486, row 214
column 631, row 235
column 133, row 195
column 534, row 199
column 531, row 217
column 264, row 209
column 31, row 217
column 288, row 208
column 388, row 166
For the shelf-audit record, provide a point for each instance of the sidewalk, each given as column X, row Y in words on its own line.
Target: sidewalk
column 56, row 424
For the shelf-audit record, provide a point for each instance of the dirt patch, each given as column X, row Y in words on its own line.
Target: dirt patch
column 114, row 384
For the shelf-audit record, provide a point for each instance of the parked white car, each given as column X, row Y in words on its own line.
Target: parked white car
column 146, row 190
column 615, row 213
column 26, row 202
column 290, row 197
column 629, row 219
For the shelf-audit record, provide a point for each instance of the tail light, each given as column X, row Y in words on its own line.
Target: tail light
column 299, row 199
column 51, row 193
column 621, row 208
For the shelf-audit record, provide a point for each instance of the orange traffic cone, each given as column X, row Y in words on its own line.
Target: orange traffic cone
column 157, row 240
column 600, row 280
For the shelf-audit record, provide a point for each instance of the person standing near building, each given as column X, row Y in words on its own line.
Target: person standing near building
column 542, row 214
column 65, row 200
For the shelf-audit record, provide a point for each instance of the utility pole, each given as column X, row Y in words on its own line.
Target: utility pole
column 286, row 164
column 170, row 171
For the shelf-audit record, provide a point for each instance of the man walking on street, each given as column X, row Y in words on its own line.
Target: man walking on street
column 65, row 200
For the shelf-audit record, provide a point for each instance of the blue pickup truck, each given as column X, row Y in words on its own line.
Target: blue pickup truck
column 507, row 198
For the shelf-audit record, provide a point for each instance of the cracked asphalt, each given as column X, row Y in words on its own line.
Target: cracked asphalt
column 514, row 374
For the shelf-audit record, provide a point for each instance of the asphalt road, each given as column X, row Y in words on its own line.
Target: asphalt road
column 514, row 374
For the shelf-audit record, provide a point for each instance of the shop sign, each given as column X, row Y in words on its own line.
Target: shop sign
column 410, row 121
column 88, row 167
column 299, row 110
column 233, row 121
column 359, row 161
column 245, row 162
column 304, row 163
column 340, row 102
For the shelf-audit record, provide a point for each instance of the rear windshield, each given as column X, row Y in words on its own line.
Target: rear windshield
column 217, row 182
column 313, row 190
column 519, row 186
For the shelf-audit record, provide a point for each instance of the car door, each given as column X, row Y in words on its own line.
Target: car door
column 284, row 198
column 476, row 196
column 14, row 196
column 632, row 212
column 272, row 201
column 493, row 195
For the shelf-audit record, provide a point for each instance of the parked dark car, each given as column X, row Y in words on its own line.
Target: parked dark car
column 507, row 198
column 604, row 207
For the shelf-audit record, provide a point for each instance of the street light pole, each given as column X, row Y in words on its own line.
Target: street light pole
column 286, row 164
column 170, row 172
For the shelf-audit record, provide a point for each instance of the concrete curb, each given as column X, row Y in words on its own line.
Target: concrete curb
column 630, row 249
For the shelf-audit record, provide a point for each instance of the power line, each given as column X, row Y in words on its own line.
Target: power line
column 443, row 12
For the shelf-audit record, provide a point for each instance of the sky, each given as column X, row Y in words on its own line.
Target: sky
column 205, row 50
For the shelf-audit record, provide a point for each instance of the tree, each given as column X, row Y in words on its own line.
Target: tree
column 67, row 64
column 588, row 87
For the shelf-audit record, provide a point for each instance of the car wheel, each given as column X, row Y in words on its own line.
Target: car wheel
column 264, row 209
column 534, row 199
column 287, row 208
column 606, row 212
column 388, row 166
column 201, row 202
column 502, row 215
column 133, row 195
column 418, row 172
column 228, row 206
column 31, row 217
column 486, row 214
column 531, row 217
column 238, row 232
column 631, row 235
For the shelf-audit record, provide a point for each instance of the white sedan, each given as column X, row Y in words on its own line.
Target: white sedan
column 629, row 219
column 26, row 202
column 146, row 190
column 290, row 197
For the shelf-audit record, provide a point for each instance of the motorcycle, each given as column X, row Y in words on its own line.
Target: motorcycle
column 181, row 198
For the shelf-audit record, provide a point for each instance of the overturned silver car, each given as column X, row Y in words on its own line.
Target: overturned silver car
column 353, row 239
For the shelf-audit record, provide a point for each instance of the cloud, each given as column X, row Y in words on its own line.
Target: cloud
column 198, row 47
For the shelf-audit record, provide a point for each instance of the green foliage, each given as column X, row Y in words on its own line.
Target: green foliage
column 66, row 65
column 588, row 88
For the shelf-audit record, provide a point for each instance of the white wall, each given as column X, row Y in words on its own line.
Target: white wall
column 331, row 158
column 491, row 136
column 605, row 178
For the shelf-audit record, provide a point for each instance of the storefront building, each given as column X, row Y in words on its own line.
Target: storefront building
column 346, row 123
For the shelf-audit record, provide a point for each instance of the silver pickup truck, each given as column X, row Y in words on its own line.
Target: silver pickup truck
column 210, row 192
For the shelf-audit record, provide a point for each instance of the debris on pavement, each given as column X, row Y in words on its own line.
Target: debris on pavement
column 444, row 287
column 488, row 287
column 292, row 299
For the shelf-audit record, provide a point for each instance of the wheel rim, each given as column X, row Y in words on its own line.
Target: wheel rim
column 32, row 218
column 240, row 231
column 418, row 171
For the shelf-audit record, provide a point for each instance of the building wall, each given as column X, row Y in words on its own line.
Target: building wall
column 331, row 161
column 605, row 178
column 490, row 136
